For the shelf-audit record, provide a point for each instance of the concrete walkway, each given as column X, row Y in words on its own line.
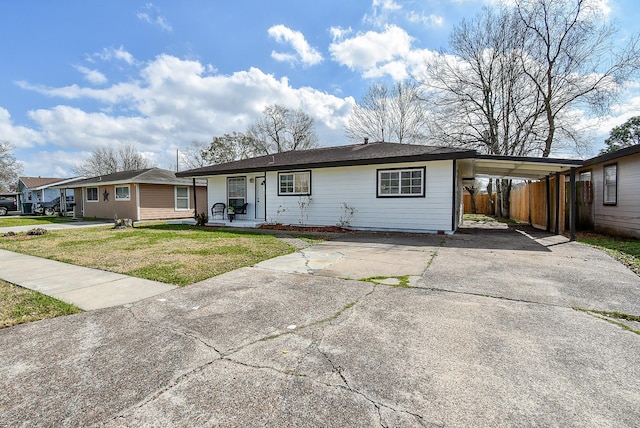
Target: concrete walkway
column 54, row 226
column 86, row 288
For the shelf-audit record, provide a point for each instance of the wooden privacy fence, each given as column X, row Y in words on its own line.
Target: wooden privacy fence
column 529, row 203
column 482, row 203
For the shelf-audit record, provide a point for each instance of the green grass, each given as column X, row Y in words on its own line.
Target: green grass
column 12, row 221
column 403, row 280
column 484, row 217
column 19, row 305
column 626, row 251
column 174, row 254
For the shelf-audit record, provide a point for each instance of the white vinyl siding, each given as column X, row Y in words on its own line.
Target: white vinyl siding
column 123, row 193
column 356, row 186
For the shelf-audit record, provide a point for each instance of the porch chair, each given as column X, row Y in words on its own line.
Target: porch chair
column 241, row 210
column 218, row 208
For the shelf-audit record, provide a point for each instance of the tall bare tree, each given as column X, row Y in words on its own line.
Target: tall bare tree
column 387, row 113
column 110, row 159
column 10, row 168
column 571, row 58
column 281, row 129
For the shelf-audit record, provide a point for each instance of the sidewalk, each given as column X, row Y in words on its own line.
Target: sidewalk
column 86, row 288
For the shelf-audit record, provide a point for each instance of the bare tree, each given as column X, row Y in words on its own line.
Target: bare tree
column 281, row 129
column 572, row 60
column 225, row 148
column 110, row 159
column 388, row 113
column 10, row 168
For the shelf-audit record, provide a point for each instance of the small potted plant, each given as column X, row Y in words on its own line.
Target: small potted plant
column 231, row 214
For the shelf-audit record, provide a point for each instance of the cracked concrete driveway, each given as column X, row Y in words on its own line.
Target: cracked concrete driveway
column 486, row 336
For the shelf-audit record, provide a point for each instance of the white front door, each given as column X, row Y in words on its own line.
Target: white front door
column 260, row 198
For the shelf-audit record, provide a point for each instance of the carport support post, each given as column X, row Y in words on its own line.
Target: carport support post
column 572, row 208
column 557, row 228
column 548, row 188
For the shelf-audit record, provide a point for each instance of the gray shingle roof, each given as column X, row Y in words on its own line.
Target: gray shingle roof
column 147, row 176
column 357, row 154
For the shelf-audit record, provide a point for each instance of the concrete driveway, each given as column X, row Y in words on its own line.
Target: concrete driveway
column 486, row 336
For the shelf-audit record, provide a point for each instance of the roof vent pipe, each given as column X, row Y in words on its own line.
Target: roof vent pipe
column 366, row 140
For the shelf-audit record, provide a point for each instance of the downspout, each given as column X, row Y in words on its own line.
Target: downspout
column 137, row 201
column 548, row 197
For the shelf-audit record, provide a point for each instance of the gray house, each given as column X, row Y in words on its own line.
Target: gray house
column 610, row 201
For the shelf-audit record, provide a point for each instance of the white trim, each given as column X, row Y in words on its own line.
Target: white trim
column 115, row 193
column 175, row 198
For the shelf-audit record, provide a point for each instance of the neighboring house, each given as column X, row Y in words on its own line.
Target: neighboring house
column 40, row 189
column 376, row 186
column 148, row 194
column 611, row 199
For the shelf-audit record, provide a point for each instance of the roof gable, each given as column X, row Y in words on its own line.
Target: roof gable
column 33, row 182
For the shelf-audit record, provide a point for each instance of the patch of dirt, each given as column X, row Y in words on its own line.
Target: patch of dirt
column 289, row 227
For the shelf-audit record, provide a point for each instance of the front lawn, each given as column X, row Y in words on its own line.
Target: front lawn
column 174, row 254
column 19, row 305
column 12, row 221
column 626, row 251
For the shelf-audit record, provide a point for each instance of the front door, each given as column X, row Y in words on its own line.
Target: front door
column 260, row 198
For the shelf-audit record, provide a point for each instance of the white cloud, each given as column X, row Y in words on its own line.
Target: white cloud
column 171, row 103
column 307, row 54
column 339, row 33
column 151, row 15
column 375, row 54
column 18, row 136
column 380, row 12
column 427, row 20
column 92, row 76
column 120, row 54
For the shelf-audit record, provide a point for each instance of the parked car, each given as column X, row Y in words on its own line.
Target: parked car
column 53, row 206
column 7, row 204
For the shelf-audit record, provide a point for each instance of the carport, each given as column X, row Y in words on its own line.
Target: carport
column 528, row 168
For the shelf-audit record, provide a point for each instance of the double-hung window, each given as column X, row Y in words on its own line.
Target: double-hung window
column 92, row 194
column 406, row 182
column 236, row 191
column 123, row 193
column 294, row 183
column 610, row 184
column 182, row 198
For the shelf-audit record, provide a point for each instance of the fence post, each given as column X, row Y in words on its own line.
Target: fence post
column 548, row 195
column 557, row 228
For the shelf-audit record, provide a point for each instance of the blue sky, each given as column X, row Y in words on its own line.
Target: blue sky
column 79, row 74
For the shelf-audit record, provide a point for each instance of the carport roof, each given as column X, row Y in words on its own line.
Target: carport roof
column 519, row 167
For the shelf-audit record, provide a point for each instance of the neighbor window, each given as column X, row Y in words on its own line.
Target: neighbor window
column 123, row 193
column 182, row 198
column 294, row 183
column 611, row 184
column 401, row 182
column 92, row 194
column 236, row 191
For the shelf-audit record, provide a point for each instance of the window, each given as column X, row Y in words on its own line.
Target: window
column 401, row 182
column 236, row 191
column 610, row 184
column 123, row 193
column 182, row 198
column 294, row 183
column 92, row 194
